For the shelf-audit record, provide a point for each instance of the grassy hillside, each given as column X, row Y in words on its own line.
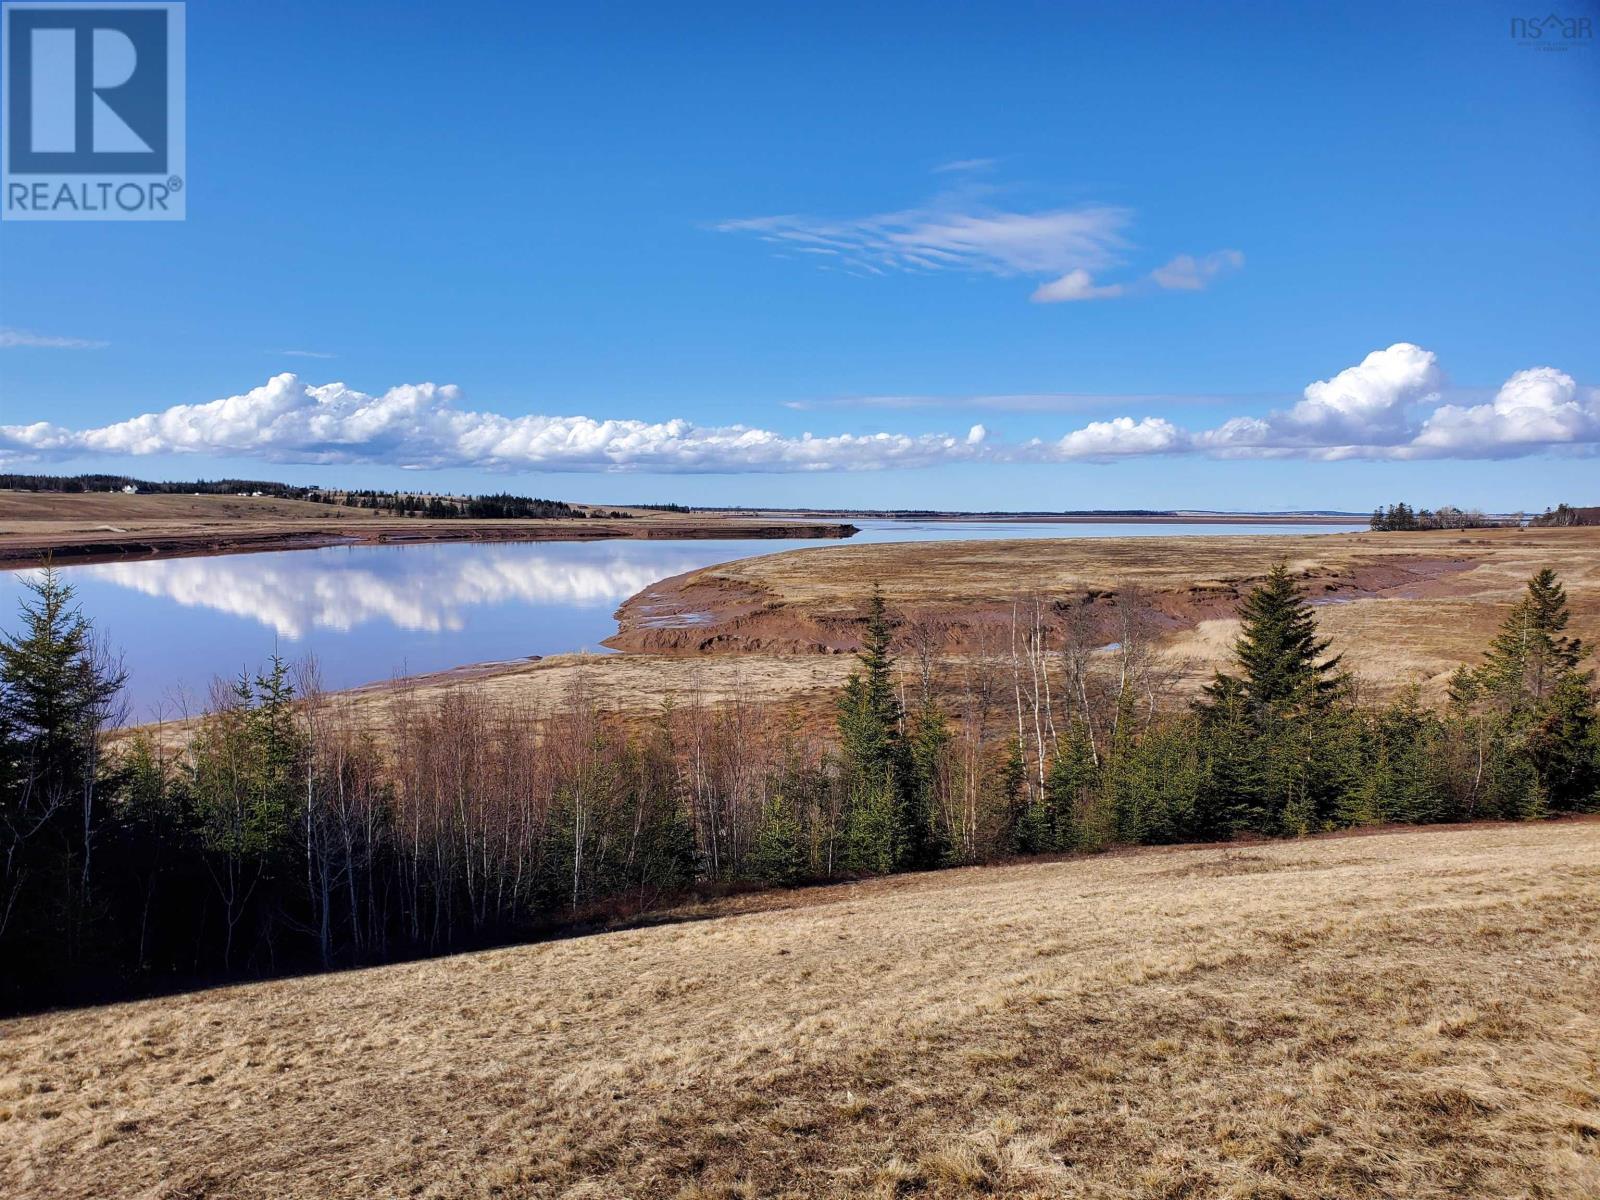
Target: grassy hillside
column 1413, row 1014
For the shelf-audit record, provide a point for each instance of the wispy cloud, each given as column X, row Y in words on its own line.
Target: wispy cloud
column 1066, row 249
column 1186, row 273
column 10, row 338
column 945, row 236
column 1391, row 405
column 306, row 354
column 964, row 165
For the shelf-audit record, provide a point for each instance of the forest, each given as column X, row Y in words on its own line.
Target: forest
column 281, row 836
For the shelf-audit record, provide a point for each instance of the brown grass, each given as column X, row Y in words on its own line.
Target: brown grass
column 1403, row 608
column 1414, row 1014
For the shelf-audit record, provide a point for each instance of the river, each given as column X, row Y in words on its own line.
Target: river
column 369, row 613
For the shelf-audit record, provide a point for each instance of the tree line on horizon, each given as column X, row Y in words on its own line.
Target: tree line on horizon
column 495, row 506
column 1403, row 518
column 1564, row 516
column 285, row 837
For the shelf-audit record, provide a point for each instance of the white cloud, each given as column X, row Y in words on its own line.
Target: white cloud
column 957, row 231
column 1386, row 407
column 1187, row 273
column 1122, row 437
column 948, row 236
column 420, row 425
column 1534, row 408
column 10, row 337
column 306, row 354
column 964, row 165
column 1074, row 285
column 1363, row 407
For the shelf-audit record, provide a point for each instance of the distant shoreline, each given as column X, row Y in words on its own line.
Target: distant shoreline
column 1174, row 518
column 20, row 550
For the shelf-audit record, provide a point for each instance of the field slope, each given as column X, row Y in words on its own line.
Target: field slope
column 1409, row 1014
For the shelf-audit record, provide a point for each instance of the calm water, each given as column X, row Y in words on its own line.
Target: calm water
column 373, row 612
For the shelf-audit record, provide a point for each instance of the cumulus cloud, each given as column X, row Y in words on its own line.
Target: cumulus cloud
column 1388, row 406
column 421, row 425
column 1361, row 409
column 10, row 338
column 1122, row 437
column 1535, row 408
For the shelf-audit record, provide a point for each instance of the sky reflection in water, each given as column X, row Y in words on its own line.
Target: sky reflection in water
column 373, row 612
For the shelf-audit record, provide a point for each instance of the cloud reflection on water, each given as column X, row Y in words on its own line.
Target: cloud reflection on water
column 293, row 593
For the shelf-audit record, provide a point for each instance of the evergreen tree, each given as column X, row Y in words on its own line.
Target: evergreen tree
column 1007, row 786
column 1531, row 652
column 1233, row 790
column 1274, row 764
column 883, row 825
column 1540, row 702
column 1563, row 745
column 1068, row 820
column 245, row 768
column 1279, row 654
column 925, row 841
column 778, row 856
column 55, row 694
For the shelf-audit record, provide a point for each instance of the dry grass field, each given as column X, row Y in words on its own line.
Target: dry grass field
column 1403, row 608
column 1412, row 1014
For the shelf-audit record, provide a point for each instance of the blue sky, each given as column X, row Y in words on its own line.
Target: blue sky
column 1035, row 219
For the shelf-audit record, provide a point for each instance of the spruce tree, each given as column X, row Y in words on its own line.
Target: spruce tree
column 1531, row 651
column 1233, row 793
column 1273, row 766
column 52, row 690
column 1540, row 703
column 884, row 829
column 1279, row 654
column 925, row 841
column 55, row 694
column 1066, row 821
column 778, row 856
